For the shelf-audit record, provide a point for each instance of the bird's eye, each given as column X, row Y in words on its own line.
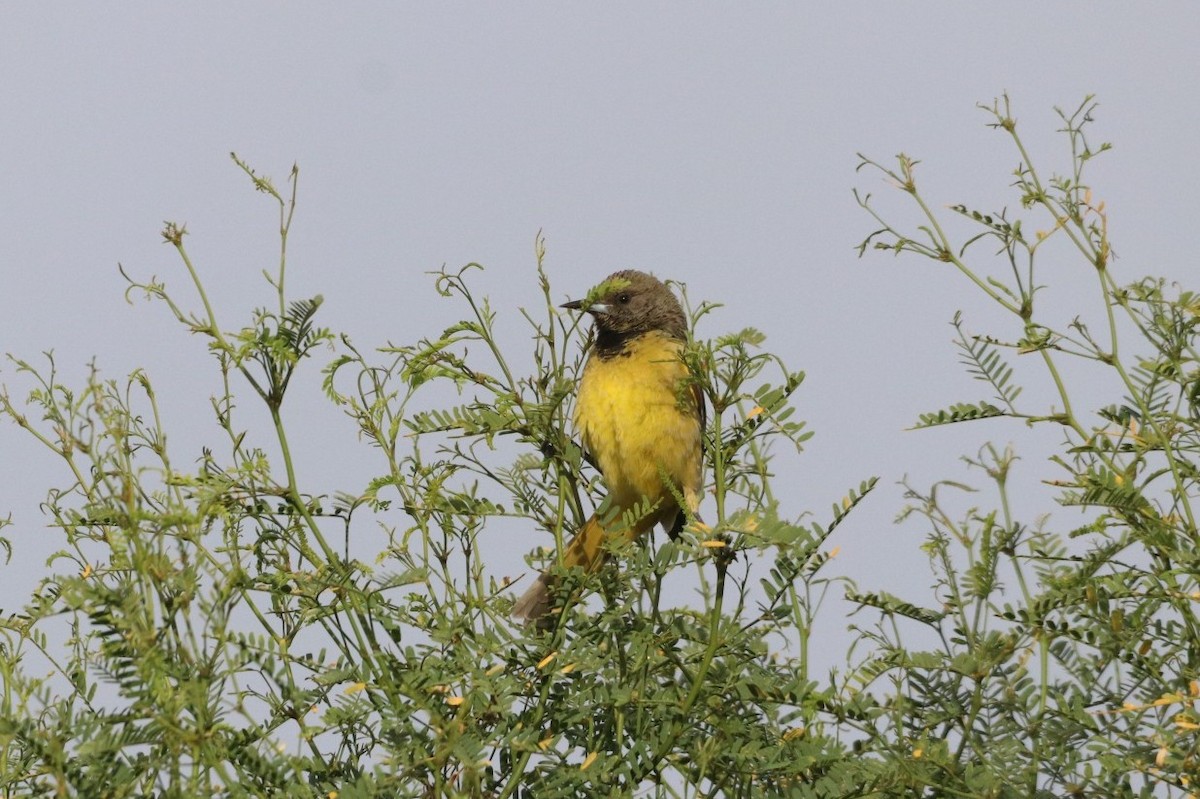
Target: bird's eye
column 623, row 298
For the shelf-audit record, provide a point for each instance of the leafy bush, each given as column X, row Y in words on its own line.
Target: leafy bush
column 1083, row 681
column 229, row 630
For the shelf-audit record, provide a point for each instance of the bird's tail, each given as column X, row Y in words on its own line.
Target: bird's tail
column 586, row 549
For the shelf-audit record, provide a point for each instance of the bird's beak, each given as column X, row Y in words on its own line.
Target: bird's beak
column 578, row 305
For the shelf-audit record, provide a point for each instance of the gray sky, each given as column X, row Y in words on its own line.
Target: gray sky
column 708, row 145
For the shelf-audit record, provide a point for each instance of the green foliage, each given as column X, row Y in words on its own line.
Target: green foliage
column 1083, row 680
column 222, row 626
column 229, row 631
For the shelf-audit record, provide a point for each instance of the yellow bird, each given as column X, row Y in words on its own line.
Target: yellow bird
column 639, row 418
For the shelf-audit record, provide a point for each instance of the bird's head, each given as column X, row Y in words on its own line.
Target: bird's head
column 630, row 303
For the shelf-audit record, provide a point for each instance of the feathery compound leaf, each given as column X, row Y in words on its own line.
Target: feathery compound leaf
column 1105, row 488
column 889, row 603
column 852, row 498
column 466, row 420
column 1120, row 414
column 298, row 330
column 984, row 363
column 960, row 412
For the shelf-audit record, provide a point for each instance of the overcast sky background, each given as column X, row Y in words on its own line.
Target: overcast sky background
column 706, row 144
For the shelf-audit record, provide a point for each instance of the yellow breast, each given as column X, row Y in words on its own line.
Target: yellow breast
column 639, row 421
